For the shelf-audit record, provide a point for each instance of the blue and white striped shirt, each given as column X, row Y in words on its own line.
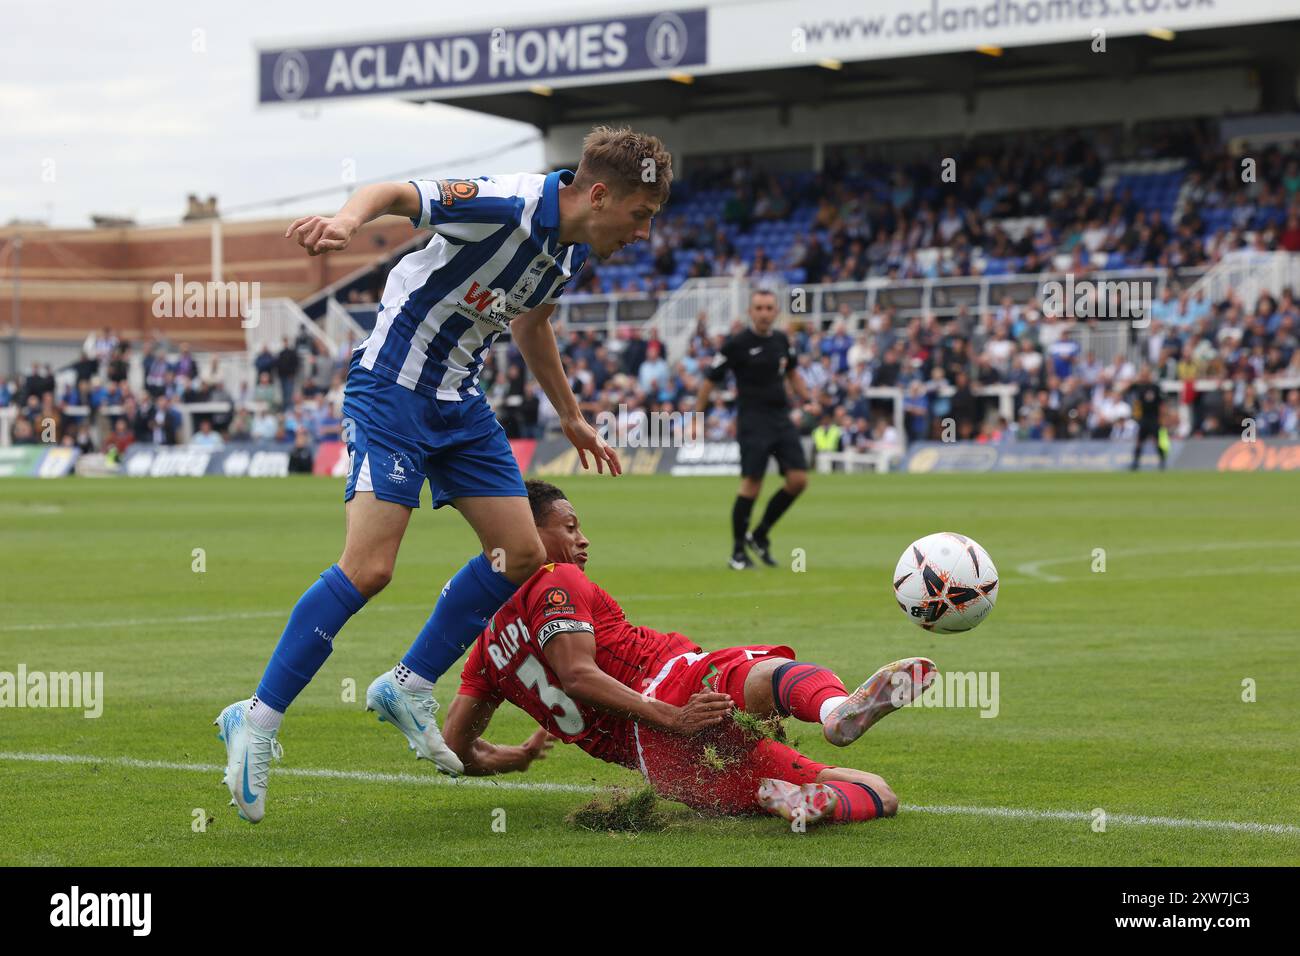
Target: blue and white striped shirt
column 495, row 254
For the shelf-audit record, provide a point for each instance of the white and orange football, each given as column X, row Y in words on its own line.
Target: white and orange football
column 946, row 582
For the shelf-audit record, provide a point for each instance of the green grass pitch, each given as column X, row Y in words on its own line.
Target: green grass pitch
column 1120, row 690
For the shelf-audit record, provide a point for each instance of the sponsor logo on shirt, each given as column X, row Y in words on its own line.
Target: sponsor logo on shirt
column 556, row 602
column 450, row 190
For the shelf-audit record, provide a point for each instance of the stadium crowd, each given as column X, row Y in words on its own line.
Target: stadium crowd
column 1060, row 392
column 1014, row 208
column 296, row 401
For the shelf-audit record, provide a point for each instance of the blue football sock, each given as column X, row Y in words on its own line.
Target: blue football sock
column 463, row 610
column 308, row 638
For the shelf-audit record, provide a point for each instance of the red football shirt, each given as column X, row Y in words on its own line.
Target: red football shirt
column 507, row 663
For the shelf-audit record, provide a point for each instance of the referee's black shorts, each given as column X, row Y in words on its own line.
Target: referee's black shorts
column 770, row 437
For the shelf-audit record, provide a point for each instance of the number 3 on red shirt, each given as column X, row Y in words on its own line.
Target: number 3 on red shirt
column 569, row 719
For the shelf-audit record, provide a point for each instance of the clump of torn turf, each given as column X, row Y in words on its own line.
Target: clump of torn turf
column 710, row 758
column 623, row 810
column 619, row 810
column 760, row 728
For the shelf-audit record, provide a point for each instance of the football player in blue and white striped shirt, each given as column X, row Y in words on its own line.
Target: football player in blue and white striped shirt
column 503, row 251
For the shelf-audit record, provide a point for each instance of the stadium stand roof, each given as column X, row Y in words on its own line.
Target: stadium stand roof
column 590, row 65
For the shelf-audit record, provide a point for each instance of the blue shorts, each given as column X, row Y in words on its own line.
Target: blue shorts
column 397, row 437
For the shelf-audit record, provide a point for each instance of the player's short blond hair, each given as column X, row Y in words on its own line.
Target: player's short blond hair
column 625, row 160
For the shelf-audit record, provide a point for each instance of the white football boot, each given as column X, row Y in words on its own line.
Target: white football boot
column 893, row 686
column 249, row 751
column 810, row 803
column 412, row 714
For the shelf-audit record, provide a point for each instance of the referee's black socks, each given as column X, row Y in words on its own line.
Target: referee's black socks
column 740, row 513
column 776, row 506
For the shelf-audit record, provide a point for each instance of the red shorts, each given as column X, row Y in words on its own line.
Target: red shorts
column 717, row 771
column 721, row 671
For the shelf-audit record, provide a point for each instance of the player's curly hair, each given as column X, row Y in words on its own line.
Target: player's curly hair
column 541, row 495
column 625, row 160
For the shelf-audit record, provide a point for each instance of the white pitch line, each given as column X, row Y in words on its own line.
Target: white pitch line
column 144, row 621
column 366, row 776
column 1034, row 569
column 283, row 613
column 1014, row 813
column 434, row 779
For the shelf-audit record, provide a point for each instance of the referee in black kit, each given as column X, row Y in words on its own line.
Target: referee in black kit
column 1147, row 401
column 762, row 359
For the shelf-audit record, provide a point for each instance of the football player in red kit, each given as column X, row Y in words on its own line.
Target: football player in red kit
column 562, row 650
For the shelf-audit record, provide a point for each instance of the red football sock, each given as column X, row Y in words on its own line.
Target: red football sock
column 857, row 801
column 800, row 690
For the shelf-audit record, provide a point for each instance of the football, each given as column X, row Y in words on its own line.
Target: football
column 946, row 582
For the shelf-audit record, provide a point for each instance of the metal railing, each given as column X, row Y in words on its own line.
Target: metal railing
column 718, row 300
column 1248, row 273
column 340, row 327
column 605, row 313
column 273, row 321
column 1104, row 342
column 722, row 301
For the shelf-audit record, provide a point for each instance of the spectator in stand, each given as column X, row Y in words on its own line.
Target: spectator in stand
column 916, row 411
column 156, row 371
column 39, row 382
column 164, row 422
column 837, row 346
column 106, row 343
column 530, row 412
column 1289, row 239
column 885, row 437
column 828, row 436
column 286, row 368
column 302, row 457
column 241, row 426
column 965, row 407
column 119, row 440
column 22, row 432
column 320, row 372
column 265, row 392
column 1289, row 416
column 634, row 351
column 185, row 367
column 665, row 261
column 265, row 426
column 205, row 437
column 292, row 421
column 888, row 371
column 265, row 361
column 119, row 365
column 654, row 374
